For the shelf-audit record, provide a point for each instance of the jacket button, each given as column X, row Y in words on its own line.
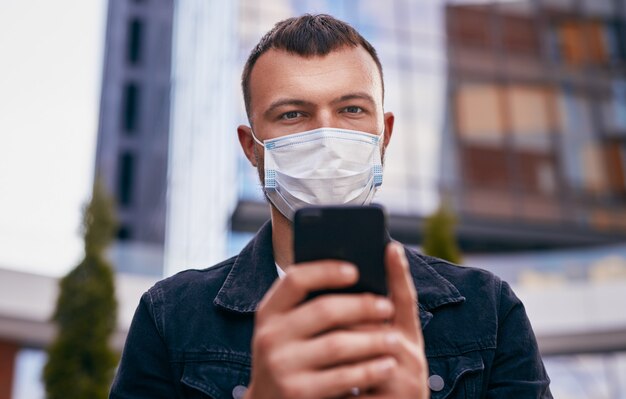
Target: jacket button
column 435, row 383
column 239, row 391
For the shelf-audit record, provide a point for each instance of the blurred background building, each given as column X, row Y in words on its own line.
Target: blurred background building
column 536, row 134
column 133, row 132
column 513, row 111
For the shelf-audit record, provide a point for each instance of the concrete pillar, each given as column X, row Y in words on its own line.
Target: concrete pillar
column 8, row 353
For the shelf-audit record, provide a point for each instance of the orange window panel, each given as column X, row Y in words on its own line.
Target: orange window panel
column 572, row 46
column 596, row 43
column 615, row 164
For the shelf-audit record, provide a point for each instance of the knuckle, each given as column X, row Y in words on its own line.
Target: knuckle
column 412, row 294
column 368, row 300
column 292, row 282
column 383, row 343
column 405, row 264
column 350, row 376
column 326, row 310
column 288, row 389
column 264, row 340
column 275, row 361
column 261, row 312
column 370, row 303
column 370, row 373
column 409, row 293
column 335, row 346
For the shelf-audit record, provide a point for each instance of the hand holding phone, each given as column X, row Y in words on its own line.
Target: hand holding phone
column 305, row 335
column 356, row 234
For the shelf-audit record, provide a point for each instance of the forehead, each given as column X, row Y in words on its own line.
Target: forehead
column 278, row 73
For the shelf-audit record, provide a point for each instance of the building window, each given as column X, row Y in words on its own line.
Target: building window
column 130, row 108
column 614, row 109
column 615, row 158
column 615, row 33
column 485, row 167
column 520, row 35
column 470, row 26
column 536, row 173
column 585, row 42
column 479, row 115
column 126, row 179
column 531, row 110
column 135, row 41
column 596, row 177
column 124, row 233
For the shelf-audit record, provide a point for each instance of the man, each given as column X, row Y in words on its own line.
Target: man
column 311, row 86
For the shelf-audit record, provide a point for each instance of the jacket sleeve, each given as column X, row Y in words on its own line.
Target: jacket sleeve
column 144, row 370
column 518, row 371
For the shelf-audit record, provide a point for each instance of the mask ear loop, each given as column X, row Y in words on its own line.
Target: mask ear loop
column 256, row 139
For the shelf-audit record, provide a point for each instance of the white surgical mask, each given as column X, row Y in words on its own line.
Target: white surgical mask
column 325, row 166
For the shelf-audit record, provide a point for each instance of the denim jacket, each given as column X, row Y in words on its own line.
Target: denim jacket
column 191, row 333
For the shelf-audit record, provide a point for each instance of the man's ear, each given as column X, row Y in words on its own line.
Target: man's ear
column 247, row 143
column 389, row 120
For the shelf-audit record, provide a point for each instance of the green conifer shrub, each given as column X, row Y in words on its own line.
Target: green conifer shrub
column 80, row 361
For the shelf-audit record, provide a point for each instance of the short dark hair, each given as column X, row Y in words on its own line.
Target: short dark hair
column 307, row 35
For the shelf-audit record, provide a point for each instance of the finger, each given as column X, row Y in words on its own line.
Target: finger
column 328, row 312
column 339, row 381
column 403, row 294
column 365, row 326
column 409, row 353
column 304, row 278
column 343, row 347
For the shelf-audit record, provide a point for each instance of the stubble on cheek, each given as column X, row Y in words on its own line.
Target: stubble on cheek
column 260, row 165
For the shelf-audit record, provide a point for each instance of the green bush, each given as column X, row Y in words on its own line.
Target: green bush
column 439, row 235
column 81, row 362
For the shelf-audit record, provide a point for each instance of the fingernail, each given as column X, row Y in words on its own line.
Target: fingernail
column 385, row 365
column 348, row 270
column 383, row 306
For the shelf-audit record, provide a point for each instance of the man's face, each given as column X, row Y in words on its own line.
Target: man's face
column 292, row 94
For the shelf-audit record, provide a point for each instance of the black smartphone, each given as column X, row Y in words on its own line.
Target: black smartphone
column 356, row 234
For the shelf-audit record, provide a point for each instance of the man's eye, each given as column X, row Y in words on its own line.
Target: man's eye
column 290, row 115
column 353, row 110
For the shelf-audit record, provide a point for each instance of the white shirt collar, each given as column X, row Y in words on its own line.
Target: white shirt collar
column 281, row 272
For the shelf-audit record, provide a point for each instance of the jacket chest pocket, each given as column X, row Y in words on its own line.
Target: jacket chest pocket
column 456, row 377
column 215, row 379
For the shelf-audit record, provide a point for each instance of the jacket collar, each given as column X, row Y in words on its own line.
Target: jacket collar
column 251, row 276
column 433, row 290
column 254, row 271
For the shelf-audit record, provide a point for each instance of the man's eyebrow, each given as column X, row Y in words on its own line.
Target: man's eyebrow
column 285, row 101
column 355, row 96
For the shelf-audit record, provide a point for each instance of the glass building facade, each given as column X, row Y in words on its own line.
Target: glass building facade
column 537, row 112
column 202, row 173
column 513, row 110
column 133, row 130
